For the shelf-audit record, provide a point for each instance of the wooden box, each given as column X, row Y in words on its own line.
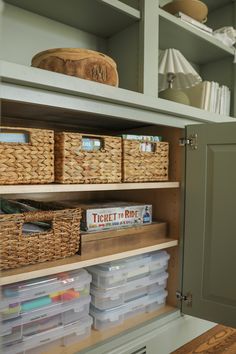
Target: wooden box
column 115, row 241
column 139, row 166
column 75, row 165
column 82, row 63
column 29, row 161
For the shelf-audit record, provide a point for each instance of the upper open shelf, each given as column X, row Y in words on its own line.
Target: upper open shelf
column 197, row 46
column 37, row 94
column 216, row 4
column 101, row 17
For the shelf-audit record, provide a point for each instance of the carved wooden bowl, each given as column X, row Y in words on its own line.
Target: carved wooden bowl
column 83, row 63
column 193, row 8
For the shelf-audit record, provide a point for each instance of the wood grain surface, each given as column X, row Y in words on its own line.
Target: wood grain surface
column 218, row 340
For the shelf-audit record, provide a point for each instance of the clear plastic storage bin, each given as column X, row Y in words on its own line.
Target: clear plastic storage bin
column 42, row 320
column 107, row 298
column 109, row 318
column 24, row 297
column 41, row 342
column 116, row 273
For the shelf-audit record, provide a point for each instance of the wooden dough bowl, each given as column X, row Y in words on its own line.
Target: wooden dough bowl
column 193, row 8
column 83, row 63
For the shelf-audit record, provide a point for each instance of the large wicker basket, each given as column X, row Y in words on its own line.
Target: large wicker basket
column 30, row 162
column 79, row 62
column 138, row 166
column 18, row 249
column 75, row 165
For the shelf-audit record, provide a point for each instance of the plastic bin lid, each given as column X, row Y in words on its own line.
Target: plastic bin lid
column 120, row 265
column 35, row 315
column 129, row 286
column 131, row 262
column 114, row 313
column 40, row 287
column 78, row 328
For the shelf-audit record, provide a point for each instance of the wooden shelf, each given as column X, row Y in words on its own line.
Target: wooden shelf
column 102, row 18
column 196, row 46
column 97, row 337
column 76, row 262
column 57, row 188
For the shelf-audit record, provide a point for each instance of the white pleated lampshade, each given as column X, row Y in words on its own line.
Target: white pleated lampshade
column 172, row 61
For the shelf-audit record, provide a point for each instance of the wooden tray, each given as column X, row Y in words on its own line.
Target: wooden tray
column 115, row 241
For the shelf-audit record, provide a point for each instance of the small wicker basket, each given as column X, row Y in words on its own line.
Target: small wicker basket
column 28, row 162
column 75, row 165
column 62, row 240
column 139, row 166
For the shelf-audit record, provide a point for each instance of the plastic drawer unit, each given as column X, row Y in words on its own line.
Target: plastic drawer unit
column 24, row 297
column 104, row 299
column 109, row 318
column 62, row 335
column 116, row 273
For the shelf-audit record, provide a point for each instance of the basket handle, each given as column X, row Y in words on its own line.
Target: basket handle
column 39, row 216
column 14, row 136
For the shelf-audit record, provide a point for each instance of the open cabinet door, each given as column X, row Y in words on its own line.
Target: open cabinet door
column 209, row 269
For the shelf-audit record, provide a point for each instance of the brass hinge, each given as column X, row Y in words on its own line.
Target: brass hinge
column 191, row 141
column 188, row 298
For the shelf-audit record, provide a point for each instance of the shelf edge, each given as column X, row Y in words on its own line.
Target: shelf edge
column 57, row 188
column 126, row 9
column 40, row 271
column 21, row 81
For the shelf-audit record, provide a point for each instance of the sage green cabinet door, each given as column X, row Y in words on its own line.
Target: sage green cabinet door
column 209, row 271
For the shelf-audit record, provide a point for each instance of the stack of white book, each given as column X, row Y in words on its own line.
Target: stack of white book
column 192, row 22
column 209, row 95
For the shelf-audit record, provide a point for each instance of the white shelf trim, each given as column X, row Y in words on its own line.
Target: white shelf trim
column 31, row 85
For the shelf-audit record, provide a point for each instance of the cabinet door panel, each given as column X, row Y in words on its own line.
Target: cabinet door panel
column 209, row 272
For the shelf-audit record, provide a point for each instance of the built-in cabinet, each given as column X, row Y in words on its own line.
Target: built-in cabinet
column 198, row 200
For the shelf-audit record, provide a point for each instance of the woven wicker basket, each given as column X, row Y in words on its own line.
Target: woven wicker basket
column 18, row 249
column 75, row 165
column 26, row 163
column 83, row 63
column 138, row 166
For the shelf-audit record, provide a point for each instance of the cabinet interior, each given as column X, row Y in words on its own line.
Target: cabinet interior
column 166, row 207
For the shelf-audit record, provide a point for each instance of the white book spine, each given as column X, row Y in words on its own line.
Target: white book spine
column 193, row 22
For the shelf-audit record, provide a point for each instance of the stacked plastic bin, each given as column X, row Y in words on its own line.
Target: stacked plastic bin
column 121, row 289
column 37, row 315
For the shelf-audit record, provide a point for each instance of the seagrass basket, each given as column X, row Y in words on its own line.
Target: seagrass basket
column 139, row 166
column 83, row 63
column 73, row 164
column 27, row 162
column 60, row 241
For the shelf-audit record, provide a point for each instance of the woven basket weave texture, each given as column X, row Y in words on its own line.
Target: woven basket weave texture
column 18, row 249
column 141, row 166
column 27, row 163
column 75, row 165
